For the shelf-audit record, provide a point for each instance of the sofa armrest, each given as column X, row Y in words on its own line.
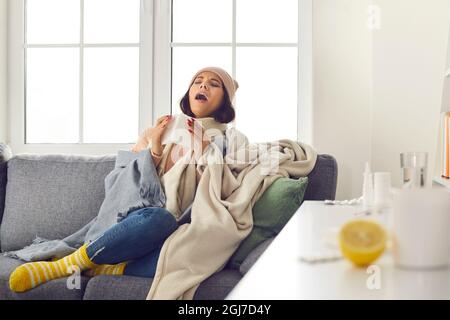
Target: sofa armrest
column 254, row 255
column 322, row 180
column 5, row 155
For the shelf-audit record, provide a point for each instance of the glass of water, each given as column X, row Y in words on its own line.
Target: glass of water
column 414, row 169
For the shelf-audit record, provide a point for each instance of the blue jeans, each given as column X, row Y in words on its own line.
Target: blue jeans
column 137, row 239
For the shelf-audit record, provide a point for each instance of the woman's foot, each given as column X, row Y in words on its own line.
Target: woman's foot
column 32, row 274
column 109, row 269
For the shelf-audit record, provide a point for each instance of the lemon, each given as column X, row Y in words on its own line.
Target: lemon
column 362, row 241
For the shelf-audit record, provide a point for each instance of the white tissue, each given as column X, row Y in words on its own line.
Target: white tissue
column 176, row 131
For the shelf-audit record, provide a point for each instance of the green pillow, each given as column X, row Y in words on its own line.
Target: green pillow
column 270, row 214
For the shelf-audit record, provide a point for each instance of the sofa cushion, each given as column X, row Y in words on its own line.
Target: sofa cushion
column 51, row 196
column 270, row 214
column 107, row 287
column 7, row 265
column 254, row 256
column 218, row 285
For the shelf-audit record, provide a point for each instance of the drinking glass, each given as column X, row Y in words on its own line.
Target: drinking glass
column 414, row 169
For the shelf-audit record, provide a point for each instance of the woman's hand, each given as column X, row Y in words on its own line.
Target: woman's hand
column 152, row 134
column 200, row 139
column 156, row 133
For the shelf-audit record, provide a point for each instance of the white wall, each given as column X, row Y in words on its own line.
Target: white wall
column 3, row 70
column 409, row 53
column 377, row 93
column 341, row 72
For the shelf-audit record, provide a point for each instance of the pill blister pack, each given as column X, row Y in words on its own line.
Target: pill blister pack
column 344, row 202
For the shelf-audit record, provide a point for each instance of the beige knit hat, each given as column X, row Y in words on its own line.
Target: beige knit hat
column 229, row 83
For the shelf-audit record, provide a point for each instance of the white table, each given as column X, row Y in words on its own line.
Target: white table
column 280, row 272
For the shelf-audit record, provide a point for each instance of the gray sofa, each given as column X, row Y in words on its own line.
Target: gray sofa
column 54, row 195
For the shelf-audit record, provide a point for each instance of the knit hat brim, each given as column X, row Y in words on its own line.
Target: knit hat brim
column 229, row 83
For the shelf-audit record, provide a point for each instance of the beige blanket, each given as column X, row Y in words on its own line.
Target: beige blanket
column 222, row 209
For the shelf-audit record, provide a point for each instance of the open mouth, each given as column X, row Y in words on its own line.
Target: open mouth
column 201, row 96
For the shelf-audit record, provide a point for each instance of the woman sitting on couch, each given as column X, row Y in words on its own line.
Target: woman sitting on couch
column 132, row 246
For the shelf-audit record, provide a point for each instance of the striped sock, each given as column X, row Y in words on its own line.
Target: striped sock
column 110, row 269
column 32, row 274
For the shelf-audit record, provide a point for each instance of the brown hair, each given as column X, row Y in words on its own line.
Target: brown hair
column 224, row 114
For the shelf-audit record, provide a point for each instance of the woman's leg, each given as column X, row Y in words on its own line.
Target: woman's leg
column 133, row 237
column 144, row 266
column 136, row 235
column 118, row 269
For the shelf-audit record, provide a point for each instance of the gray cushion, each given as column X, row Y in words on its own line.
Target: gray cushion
column 253, row 256
column 218, row 285
column 7, row 265
column 52, row 290
column 104, row 287
column 51, row 196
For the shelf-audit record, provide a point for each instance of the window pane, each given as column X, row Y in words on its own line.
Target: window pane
column 187, row 61
column 266, row 102
column 202, row 20
column 52, row 95
column 266, row 21
column 111, row 21
column 53, row 21
column 111, row 95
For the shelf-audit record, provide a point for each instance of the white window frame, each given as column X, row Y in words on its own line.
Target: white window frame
column 16, row 77
column 163, row 70
column 305, row 120
column 155, row 76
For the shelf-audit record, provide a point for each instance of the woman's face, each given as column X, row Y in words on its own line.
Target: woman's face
column 205, row 94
